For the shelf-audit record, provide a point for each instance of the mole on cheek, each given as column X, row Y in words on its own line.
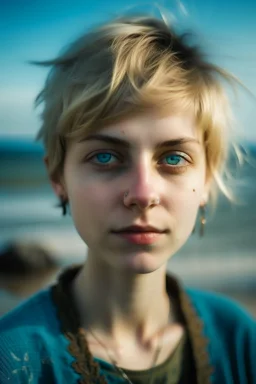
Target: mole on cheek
column 194, row 190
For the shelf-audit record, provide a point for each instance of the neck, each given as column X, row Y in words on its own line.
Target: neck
column 129, row 306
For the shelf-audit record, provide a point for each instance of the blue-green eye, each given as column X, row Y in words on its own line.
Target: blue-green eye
column 104, row 158
column 174, row 160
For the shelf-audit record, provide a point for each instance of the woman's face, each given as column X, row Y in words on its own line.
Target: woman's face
column 149, row 158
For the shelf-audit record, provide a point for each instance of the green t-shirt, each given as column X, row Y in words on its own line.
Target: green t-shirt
column 171, row 371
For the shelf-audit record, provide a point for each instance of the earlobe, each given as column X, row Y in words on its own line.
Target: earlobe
column 206, row 193
column 46, row 161
column 58, row 189
column 204, row 199
column 205, row 196
column 56, row 183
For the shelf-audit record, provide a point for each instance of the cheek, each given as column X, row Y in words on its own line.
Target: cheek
column 187, row 193
column 89, row 208
column 185, row 206
column 90, row 202
column 86, row 198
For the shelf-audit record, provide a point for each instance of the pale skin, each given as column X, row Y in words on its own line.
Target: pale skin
column 120, row 292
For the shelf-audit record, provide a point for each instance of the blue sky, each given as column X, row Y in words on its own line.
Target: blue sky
column 38, row 29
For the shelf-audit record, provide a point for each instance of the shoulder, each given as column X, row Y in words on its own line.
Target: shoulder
column 31, row 312
column 8, row 301
column 228, row 325
column 31, row 323
column 231, row 333
column 219, row 308
column 29, row 335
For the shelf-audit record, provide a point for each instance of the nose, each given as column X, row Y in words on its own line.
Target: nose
column 142, row 190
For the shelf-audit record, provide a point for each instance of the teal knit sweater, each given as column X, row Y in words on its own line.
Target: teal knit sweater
column 34, row 349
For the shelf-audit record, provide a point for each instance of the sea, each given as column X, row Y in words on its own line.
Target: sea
column 224, row 259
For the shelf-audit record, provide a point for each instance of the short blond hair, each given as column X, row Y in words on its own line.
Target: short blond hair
column 128, row 66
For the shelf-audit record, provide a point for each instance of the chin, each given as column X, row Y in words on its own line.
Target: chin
column 141, row 263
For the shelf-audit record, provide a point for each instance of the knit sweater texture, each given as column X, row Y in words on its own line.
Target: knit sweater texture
column 34, row 349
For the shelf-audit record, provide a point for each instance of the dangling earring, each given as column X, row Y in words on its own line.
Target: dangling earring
column 63, row 205
column 202, row 219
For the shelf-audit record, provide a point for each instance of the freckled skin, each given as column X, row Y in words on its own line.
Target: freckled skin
column 96, row 197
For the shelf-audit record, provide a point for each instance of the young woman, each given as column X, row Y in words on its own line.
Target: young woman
column 135, row 128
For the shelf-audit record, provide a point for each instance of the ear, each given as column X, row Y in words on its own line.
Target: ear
column 206, row 193
column 57, row 184
column 204, row 200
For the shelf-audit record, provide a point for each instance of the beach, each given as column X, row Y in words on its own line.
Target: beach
column 223, row 260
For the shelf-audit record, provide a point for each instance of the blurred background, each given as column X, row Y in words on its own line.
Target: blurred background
column 224, row 260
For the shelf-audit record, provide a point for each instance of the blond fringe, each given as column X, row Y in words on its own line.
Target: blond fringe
column 129, row 66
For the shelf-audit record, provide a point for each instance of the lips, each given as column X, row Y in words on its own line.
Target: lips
column 140, row 235
column 139, row 229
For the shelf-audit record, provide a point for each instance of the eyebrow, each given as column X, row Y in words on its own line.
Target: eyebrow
column 126, row 144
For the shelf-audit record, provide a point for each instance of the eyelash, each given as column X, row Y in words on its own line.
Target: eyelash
column 174, row 167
